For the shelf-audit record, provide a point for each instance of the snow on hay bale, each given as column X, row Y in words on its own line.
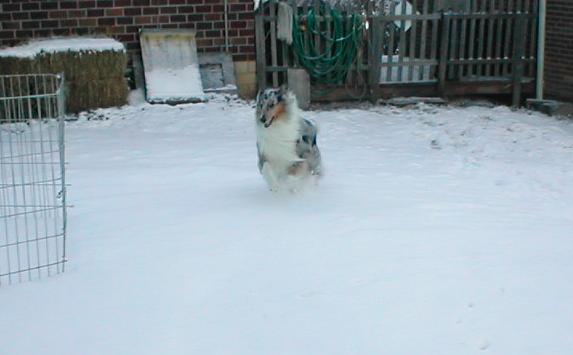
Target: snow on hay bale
column 94, row 68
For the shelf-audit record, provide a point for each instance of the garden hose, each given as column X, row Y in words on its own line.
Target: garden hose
column 330, row 63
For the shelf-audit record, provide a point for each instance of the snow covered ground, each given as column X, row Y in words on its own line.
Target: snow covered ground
column 436, row 230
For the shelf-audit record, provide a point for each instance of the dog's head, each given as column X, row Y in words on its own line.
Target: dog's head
column 272, row 105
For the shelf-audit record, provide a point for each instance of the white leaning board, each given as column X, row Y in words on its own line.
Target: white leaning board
column 171, row 66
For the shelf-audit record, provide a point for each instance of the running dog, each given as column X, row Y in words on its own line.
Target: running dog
column 286, row 142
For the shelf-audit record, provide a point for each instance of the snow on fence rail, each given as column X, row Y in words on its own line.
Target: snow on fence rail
column 32, row 177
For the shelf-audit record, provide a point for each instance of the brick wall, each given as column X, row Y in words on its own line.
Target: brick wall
column 24, row 19
column 559, row 50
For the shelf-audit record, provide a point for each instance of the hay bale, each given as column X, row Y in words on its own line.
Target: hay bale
column 94, row 68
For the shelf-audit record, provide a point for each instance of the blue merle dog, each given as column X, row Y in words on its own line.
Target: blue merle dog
column 286, row 142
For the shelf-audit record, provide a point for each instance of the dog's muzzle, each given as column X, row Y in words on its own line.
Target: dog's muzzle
column 266, row 123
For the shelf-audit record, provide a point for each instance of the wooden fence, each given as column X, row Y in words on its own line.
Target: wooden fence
column 416, row 48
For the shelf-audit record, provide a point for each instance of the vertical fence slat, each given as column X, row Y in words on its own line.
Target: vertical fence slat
column 413, row 40
column 274, row 57
column 490, row 35
column 462, row 51
column 498, row 31
column 390, row 52
column 434, row 44
column 472, row 39
column 453, row 38
column 376, row 44
column 517, row 62
column 327, row 43
column 533, row 37
column 443, row 53
column 506, row 46
column 481, row 39
column 424, row 33
column 402, row 49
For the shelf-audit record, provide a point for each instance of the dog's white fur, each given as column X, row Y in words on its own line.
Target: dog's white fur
column 277, row 143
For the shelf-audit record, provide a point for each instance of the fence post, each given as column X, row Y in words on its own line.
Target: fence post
column 260, row 47
column 517, row 58
column 444, row 41
column 375, row 51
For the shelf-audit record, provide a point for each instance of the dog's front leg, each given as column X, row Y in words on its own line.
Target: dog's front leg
column 270, row 177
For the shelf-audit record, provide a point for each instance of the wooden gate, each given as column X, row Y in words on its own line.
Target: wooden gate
column 419, row 48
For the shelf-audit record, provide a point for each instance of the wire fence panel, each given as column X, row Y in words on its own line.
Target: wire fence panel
column 32, row 177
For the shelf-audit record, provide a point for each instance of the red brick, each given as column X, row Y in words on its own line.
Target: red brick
column 76, row 13
column 124, row 20
column 30, row 25
column 185, row 9
column 203, row 8
column 95, row 12
column 114, row 12
column 30, row 6
column 150, row 10
column 68, row 5
column 168, row 10
column 213, row 17
column 41, row 33
column 48, row 5
column 195, row 17
column 238, row 24
column 106, row 21
column 132, row 11
column 11, row 25
column 11, row 7
column 39, row 15
column 558, row 50
column 140, row 20
column 237, row 7
column 69, row 23
column 104, row 3
column 50, row 24
column 58, row 14
column 62, row 32
column 204, row 26
column 88, row 22
column 20, row 15
column 86, row 4
column 6, row 34
column 213, row 33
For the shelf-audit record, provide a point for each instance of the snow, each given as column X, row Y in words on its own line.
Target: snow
column 436, row 230
column 174, row 84
column 171, row 67
column 55, row 45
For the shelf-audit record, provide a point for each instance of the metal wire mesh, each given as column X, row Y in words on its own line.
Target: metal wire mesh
column 32, row 177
